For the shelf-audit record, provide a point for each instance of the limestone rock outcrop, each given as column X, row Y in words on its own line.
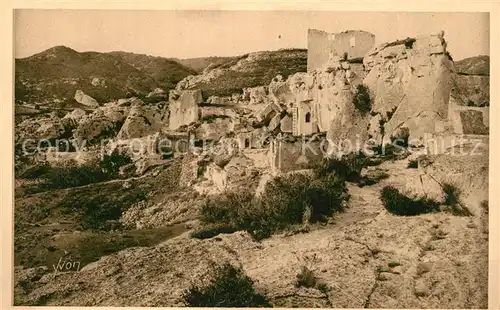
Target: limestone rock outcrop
column 85, row 99
column 410, row 82
column 104, row 122
column 142, row 120
column 51, row 127
column 184, row 107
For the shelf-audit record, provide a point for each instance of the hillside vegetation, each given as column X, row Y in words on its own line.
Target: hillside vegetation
column 200, row 63
column 250, row 70
column 53, row 76
column 477, row 65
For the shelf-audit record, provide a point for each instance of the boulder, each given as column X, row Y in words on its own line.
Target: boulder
column 95, row 126
column 274, row 123
column 98, row 82
column 76, row 115
column 214, row 129
column 256, row 95
column 142, row 121
column 85, row 99
column 157, row 92
column 50, row 128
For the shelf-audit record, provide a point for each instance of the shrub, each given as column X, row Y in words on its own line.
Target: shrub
column 348, row 167
column 413, row 164
column 212, row 230
column 283, row 203
column 230, row 288
column 288, row 197
column 395, row 150
column 96, row 206
column 452, row 194
column 409, row 42
column 224, row 207
column 110, row 164
column 399, row 204
column 452, row 199
column 373, row 178
column 361, row 99
column 72, row 176
column 485, row 205
column 306, row 278
column 35, row 172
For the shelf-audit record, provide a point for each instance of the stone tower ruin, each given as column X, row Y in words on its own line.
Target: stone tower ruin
column 321, row 45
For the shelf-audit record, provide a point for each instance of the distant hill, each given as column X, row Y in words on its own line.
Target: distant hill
column 53, row 76
column 250, row 70
column 477, row 65
column 165, row 71
column 199, row 64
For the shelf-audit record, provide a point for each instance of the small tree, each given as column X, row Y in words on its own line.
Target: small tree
column 362, row 100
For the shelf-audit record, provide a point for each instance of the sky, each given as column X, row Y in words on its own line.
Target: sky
column 189, row 34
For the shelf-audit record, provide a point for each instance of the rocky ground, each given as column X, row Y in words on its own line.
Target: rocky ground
column 366, row 256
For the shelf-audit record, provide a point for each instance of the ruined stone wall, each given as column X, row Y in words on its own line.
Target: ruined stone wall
column 258, row 156
column 184, row 107
column 285, row 157
column 305, row 119
column 321, row 44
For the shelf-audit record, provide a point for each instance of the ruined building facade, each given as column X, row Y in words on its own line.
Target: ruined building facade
column 322, row 45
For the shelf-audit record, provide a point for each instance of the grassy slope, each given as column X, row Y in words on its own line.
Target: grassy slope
column 477, row 65
column 59, row 71
column 200, row 63
column 165, row 71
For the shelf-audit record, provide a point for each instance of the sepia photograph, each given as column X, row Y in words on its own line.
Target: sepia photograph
column 244, row 158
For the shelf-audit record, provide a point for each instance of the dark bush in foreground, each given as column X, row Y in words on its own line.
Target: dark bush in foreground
column 362, row 100
column 399, row 204
column 283, row 203
column 348, row 167
column 452, row 200
column 230, row 288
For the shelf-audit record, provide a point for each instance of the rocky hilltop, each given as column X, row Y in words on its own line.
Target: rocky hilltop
column 254, row 69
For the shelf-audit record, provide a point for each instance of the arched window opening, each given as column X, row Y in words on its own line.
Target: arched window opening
column 308, row 117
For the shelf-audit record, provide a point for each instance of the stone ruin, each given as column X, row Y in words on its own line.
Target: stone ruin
column 409, row 82
column 348, row 45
